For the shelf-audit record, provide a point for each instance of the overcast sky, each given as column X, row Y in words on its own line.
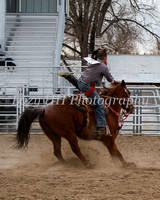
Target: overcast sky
column 150, row 41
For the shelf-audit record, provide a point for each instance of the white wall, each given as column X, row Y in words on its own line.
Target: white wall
column 2, row 23
column 135, row 68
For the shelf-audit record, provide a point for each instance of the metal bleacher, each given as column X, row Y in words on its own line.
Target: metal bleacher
column 31, row 38
column 33, row 42
column 30, row 43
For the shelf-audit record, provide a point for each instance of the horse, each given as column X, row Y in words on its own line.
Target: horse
column 63, row 120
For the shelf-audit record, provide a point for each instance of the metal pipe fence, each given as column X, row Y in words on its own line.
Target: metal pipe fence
column 39, row 85
column 144, row 120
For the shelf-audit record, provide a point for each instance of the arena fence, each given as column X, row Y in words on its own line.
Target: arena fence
column 146, row 116
column 144, row 120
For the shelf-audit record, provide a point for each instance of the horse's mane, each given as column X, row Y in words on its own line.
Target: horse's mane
column 108, row 91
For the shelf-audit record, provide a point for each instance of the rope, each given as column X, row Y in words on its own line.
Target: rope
column 91, row 90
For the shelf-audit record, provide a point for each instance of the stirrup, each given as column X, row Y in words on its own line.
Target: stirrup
column 99, row 134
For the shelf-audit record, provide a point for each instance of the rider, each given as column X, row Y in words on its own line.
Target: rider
column 94, row 54
column 94, row 73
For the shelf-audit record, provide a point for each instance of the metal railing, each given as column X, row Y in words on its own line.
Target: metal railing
column 35, row 76
column 144, row 120
column 9, row 111
column 60, row 33
column 146, row 116
column 39, row 85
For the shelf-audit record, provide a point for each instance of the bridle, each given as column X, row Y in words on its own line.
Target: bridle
column 123, row 116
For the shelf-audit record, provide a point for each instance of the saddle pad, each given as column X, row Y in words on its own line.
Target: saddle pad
column 79, row 103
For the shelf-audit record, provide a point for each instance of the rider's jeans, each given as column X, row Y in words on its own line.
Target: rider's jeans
column 96, row 100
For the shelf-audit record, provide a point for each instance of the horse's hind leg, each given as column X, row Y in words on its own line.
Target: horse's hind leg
column 73, row 141
column 56, row 140
column 57, row 146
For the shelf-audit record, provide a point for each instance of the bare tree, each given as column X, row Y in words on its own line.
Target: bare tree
column 155, row 50
column 121, row 39
column 117, row 22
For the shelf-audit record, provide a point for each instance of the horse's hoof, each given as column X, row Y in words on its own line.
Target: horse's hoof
column 63, row 161
column 130, row 165
column 88, row 165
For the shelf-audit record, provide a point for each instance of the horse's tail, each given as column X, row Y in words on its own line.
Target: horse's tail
column 24, row 124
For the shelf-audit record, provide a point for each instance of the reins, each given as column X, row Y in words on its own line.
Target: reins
column 121, row 117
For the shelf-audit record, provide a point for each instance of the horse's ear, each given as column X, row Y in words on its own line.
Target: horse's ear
column 115, row 83
column 123, row 83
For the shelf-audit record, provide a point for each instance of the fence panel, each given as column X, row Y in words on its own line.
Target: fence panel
column 146, row 116
column 9, row 110
column 144, row 120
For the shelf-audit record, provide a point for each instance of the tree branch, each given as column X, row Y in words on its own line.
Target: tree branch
column 133, row 21
column 71, row 48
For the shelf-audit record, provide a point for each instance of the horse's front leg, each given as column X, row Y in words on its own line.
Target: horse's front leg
column 109, row 142
column 73, row 141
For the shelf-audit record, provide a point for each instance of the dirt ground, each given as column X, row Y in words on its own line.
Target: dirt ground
column 36, row 174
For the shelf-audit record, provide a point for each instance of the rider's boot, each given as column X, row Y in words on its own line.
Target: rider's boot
column 100, row 133
column 70, row 77
column 64, row 74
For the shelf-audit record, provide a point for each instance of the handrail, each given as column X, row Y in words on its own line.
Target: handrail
column 60, row 33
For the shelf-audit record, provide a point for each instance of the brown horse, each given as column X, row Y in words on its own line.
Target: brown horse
column 61, row 119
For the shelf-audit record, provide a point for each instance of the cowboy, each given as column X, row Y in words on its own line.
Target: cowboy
column 94, row 54
column 94, row 73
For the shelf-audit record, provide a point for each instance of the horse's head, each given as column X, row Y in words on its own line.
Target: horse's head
column 123, row 94
column 120, row 92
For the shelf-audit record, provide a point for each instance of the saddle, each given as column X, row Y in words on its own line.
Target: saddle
column 80, row 103
column 85, row 106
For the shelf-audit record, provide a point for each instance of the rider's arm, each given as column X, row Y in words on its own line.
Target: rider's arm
column 108, row 75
